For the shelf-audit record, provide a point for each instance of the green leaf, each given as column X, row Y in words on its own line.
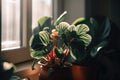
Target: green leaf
column 35, row 42
column 77, row 54
column 44, row 37
column 78, row 21
column 40, row 44
column 97, row 48
column 81, row 29
column 86, row 39
column 60, row 53
column 37, row 54
column 71, row 28
column 60, row 18
column 79, row 33
column 62, row 27
column 101, row 36
column 44, row 21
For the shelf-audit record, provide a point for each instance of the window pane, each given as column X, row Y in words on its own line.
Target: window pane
column 40, row 8
column 10, row 24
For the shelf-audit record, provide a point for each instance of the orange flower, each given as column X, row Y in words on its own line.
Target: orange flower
column 54, row 35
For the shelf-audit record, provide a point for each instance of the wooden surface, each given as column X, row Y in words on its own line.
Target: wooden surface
column 74, row 73
column 29, row 73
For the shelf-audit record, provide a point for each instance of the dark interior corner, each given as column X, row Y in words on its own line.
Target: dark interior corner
column 109, row 61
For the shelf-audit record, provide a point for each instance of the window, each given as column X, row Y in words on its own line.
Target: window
column 11, row 24
column 18, row 19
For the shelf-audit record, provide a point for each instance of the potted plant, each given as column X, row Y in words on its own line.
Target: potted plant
column 59, row 45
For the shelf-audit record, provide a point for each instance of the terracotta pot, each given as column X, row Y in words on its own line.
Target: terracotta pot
column 83, row 73
column 69, row 73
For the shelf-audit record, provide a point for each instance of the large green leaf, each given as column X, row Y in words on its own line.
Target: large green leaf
column 44, row 21
column 35, row 42
column 80, row 34
column 100, row 37
column 40, row 44
column 62, row 27
column 37, row 54
column 81, row 29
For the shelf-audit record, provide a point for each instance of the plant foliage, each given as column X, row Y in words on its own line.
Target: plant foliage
column 62, row 42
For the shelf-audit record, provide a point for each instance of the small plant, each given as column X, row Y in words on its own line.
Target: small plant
column 63, row 43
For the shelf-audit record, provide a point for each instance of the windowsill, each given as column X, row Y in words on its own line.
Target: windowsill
column 24, row 65
column 24, row 70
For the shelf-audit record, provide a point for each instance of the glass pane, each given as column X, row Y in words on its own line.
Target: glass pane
column 10, row 24
column 40, row 8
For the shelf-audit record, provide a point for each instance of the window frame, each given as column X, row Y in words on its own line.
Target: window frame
column 23, row 54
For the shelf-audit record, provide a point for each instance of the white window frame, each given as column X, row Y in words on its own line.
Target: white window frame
column 23, row 54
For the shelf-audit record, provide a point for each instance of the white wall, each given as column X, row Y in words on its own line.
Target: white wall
column 75, row 9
